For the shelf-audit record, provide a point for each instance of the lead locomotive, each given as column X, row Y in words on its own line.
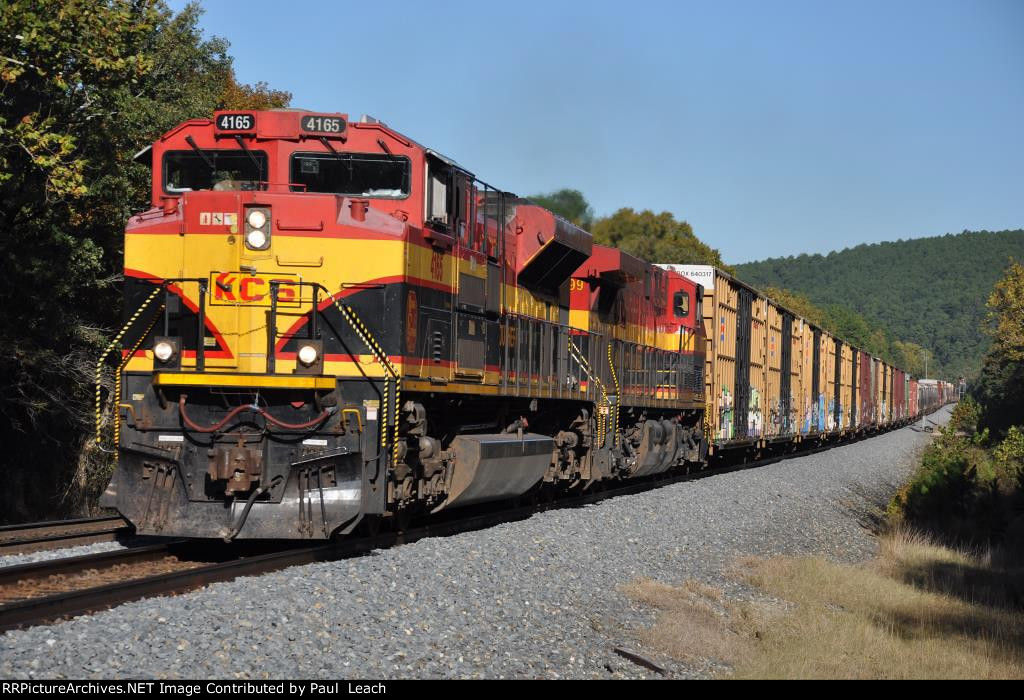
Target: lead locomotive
column 327, row 324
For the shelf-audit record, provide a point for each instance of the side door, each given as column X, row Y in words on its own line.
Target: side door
column 471, row 324
column 435, row 302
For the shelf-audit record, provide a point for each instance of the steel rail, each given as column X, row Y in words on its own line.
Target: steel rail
column 71, row 566
column 53, row 534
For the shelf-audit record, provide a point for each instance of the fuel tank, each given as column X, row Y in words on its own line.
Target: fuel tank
column 490, row 467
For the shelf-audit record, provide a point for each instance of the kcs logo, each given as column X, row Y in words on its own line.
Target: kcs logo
column 253, row 288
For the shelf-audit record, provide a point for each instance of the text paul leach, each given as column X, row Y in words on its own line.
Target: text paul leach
column 188, row 689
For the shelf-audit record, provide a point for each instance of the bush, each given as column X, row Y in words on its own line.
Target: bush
column 966, row 415
column 940, row 486
column 1009, row 454
column 965, row 493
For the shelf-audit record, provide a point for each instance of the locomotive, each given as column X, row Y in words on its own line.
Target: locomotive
column 331, row 326
column 328, row 323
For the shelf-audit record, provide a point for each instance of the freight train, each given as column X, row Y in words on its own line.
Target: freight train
column 331, row 326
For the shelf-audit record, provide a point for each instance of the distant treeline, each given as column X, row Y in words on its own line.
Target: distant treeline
column 929, row 292
column 853, row 328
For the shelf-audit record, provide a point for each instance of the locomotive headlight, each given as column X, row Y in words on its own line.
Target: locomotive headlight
column 167, row 352
column 257, row 218
column 256, row 238
column 163, row 351
column 257, row 228
column 311, row 357
column 307, row 355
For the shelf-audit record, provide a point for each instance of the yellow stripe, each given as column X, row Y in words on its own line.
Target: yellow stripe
column 255, row 381
column 457, row 388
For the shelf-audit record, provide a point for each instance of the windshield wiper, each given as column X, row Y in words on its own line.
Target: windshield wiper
column 253, row 158
column 338, row 156
column 202, row 154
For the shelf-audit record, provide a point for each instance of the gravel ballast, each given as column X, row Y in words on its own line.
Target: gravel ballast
column 60, row 553
column 536, row 598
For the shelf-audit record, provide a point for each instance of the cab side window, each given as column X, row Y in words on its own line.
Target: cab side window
column 447, row 199
column 681, row 304
column 439, row 178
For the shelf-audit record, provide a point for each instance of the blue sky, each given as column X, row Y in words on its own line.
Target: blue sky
column 774, row 128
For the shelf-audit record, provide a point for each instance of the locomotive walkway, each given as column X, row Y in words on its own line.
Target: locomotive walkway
column 532, row 598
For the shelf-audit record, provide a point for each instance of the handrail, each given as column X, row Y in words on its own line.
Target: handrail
column 117, row 382
column 103, row 356
column 165, row 283
column 367, row 337
column 601, row 427
column 618, row 396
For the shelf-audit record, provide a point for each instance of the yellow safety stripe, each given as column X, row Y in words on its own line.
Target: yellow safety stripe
column 601, row 428
column 117, row 380
column 113, row 344
column 248, row 381
column 618, row 394
column 367, row 337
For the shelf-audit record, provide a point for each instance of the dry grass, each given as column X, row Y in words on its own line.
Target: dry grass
column 696, row 621
column 918, row 611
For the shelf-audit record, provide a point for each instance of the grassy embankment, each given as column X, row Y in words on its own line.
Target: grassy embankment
column 944, row 598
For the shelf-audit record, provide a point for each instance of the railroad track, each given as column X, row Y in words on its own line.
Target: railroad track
column 34, row 537
column 33, row 594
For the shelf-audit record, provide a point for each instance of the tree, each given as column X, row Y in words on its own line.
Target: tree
column 913, row 358
column 237, row 95
column 84, row 84
column 569, row 204
column 1000, row 387
column 795, row 302
column 658, row 238
column 1005, row 319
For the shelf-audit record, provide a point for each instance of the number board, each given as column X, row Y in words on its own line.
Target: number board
column 322, row 124
column 236, row 122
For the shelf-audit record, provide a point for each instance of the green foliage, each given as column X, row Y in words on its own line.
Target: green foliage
column 236, row 95
column 84, row 84
column 964, row 493
column 1000, row 387
column 928, row 291
column 1005, row 319
column 1010, row 452
column 569, row 204
column 919, row 361
column 941, row 485
column 964, row 490
column 966, row 415
column 797, row 303
column 658, row 238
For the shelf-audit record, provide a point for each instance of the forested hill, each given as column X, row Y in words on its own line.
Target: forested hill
column 929, row 291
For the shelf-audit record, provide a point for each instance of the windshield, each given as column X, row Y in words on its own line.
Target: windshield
column 185, row 171
column 360, row 174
